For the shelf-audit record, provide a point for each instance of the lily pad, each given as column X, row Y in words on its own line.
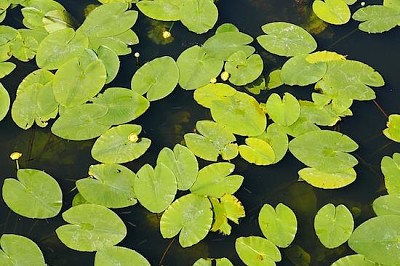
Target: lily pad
column 190, row 216
column 198, row 16
column 257, row 151
column 377, row 18
column 228, row 207
column 209, row 262
column 377, row 239
column 110, row 185
column 91, row 227
column 6, row 68
column 34, row 195
column 324, row 56
column 387, row 205
column 257, row 251
column 356, row 259
column 118, row 43
column 286, row 39
column 393, row 128
column 277, row 138
column 279, row 225
column 155, row 188
column 243, row 69
column 333, row 225
column 391, row 170
column 331, row 180
column 19, row 250
column 332, row 11
column 157, row 78
column 119, row 255
column 165, row 10
column 215, row 180
column 324, row 150
column 213, row 91
column 283, row 111
column 110, row 60
column 120, row 144
column 26, row 44
column 4, row 102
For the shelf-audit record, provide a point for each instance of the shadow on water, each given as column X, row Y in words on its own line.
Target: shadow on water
column 168, row 120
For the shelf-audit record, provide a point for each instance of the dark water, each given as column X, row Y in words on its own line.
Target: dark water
column 167, row 120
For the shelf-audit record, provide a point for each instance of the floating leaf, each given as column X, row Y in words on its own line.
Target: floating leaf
column 4, row 102
column 351, row 260
column 209, row 262
column 81, row 122
column 34, row 195
column 274, row 79
column 110, row 60
column 228, row 207
column 286, row 39
column 55, row 20
column 165, row 10
column 110, row 185
column 324, row 56
column 215, row 180
column 197, row 68
column 279, row 225
column 320, row 114
column 198, row 16
column 324, row 150
column 277, row 138
column 213, row 141
column 191, row 216
column 243, row 69
column 19, row 250
column 255, row 250
column 298, row 71
column 120, row 144
column 123, row 105
column 158, row 78
column 26, row 44
column 120, row 256
column 155, row 188
column 6, row 68
column 213, row 91
column 387, row 205
column 118, row 43
column 59, row 47
column 283, row 111
column 257, row 151
column 8, row 35
column 331, row 180
column 333, row 225
column 332, row 11
column 182, row 162
column 377, row 239
column 91, row 227
column 391, row 170
column 393, row 128
column 377, row 18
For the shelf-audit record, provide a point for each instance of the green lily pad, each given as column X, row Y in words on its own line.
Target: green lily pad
column 257, row 251
column 286, row 39
column 26, row 44
column 331, row 180
column 120, row 256
column 324, row 56
column 243, row 69
column 228, row 207
column 332, row 11
column 8, row 35
column 120, row 144
column 393, row 127
column 197, row 68
column 4, row 102
column 157, row 78
column 110, row 185
column 387, row 205
column 198, row 16
column 215, row 180
column 110, row 60
column 391, row 170
column 165, row 10
column 319, row 114
column 123, row 105
column 213, row 91
column 214, row 140
column 277, row 138
column 279, row 225
column 182, row 162
column 81, row 122
column 324, row 150
column 333, row 225
column 91, row 227
column 34, row 195
column 274, row 79
column 34, row 12
column 6, row 68
column 55, row 20
column 209, row 262
column 155, row 188
column 59, row 47
column 377, row 18
column 240, row 113
column 19, row 250
column 356, row 259
column 190, row 216
column 257, row 151
column 298, row 71
column 283, row 111
column 377, row 239
column 118, row 43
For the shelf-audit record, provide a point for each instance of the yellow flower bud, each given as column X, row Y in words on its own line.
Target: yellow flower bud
column 224, row 76
column 166, row 34
column 213, row 80
column 15, row 155
column 133, row 137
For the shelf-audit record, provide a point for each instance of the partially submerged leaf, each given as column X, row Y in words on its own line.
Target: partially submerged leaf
column 255, row 250
column 19, row 250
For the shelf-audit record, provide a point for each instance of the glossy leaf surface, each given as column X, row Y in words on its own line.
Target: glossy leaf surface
column 257, row 251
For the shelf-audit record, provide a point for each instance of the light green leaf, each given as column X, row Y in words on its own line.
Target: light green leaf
column 6, row 68
column 286, row 39
column 191, row 216
column 298, row 71
column 110, row 185
column 332, row 11
column 333, row 225
column 26, row 44
column 377, row 239
column 391, row 170
column 277, row 138
column 118, row 43
column 257, row 251
column 243, row 69
column 19, row 250
column 279, row 225
column 228, row 207
column 158, row 78
column 120, row 144
column 322, row 115
column 198, row 16
column 257, row 151
column 155, row 188
column 213, row 91
column 91, row 227
column 81, row 122
column 4, row 102
column 165, row 10
column 257, row 85
column 215, row 180
column 274, row 79
column 377, row 18
column 283, row 111
column 324, row 56
column 182, row 162
column 35, row 194
column 59, row 47
column 209, row 262
column 393, row 128
column 123, row 105
column 55, row 20
column 331, row 180
column 8, row 35
column 387, row 205
column 110, row 60
column 324, row 150
column 35, row 10
column 351, row 260
column 197, row 68
column 119, row 256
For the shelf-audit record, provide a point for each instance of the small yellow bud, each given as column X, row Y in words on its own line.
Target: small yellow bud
column 213, row 80
column 133, row 137
column 224, row 76
column 15, row 155
column 166, row 34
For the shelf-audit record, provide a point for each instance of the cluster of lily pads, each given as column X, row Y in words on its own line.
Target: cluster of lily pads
column 76, row 62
